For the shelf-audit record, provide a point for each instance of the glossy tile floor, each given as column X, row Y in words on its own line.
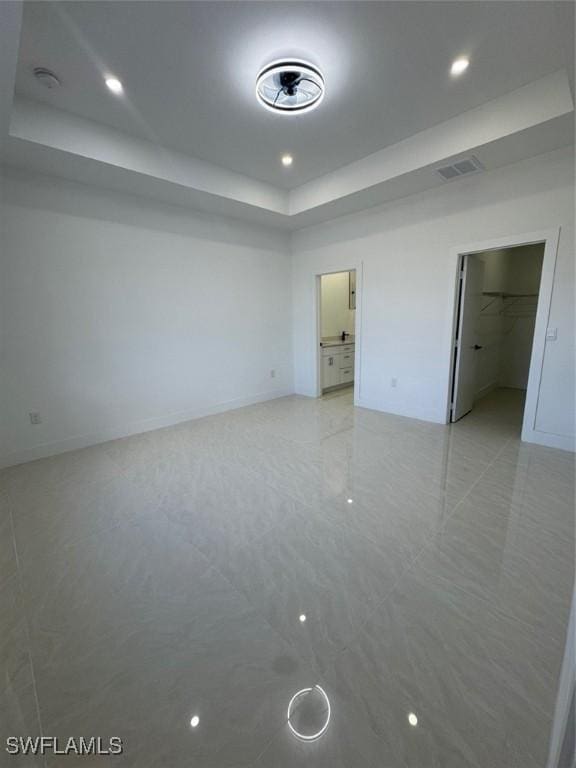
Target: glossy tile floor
column 151, row 579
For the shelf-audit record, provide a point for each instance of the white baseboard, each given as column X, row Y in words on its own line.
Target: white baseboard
column 562, row 442
column 305, row 392
column 374, row 405
column 486, row 389
column 134, row 428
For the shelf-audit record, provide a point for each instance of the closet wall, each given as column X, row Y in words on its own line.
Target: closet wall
column 506, row 324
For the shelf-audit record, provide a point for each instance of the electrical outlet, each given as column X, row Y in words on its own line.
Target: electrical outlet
column 273, row 373
column 35, row 417
column 394, row 382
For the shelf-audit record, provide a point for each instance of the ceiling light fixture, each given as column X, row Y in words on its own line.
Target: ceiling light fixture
column 46, row 78
column 194, row 721
column 114, row 85
column 287, row 160
column 290, row 87
column 459, row 66
column 412, row 719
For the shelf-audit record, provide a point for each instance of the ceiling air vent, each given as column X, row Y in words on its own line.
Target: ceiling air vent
column 461, row 168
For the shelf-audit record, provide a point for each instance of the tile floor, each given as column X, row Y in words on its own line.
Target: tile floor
column 162, row 576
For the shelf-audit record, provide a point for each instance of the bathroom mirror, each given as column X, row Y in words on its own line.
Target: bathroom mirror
column 352, row 289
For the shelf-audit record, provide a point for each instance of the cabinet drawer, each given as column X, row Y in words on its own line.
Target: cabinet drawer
column 347, row 360
column 331, row 351
column 348, row 349
column 346, row 375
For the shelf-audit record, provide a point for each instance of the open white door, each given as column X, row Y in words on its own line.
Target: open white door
column 470, row 305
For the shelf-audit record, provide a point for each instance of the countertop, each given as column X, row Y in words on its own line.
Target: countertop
column 336, row 341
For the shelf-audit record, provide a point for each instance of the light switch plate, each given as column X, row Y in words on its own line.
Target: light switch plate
column 551, row 334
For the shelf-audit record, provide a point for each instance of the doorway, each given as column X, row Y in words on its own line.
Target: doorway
column 502, row 301
column 336, row 332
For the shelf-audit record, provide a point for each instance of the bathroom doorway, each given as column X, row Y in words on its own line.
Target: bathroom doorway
column 337, row 294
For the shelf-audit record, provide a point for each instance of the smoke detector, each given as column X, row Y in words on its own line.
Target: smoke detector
column 46, row 78
column 290, row 87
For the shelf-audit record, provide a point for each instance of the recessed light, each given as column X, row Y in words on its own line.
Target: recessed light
column 412, row 719
column 287, row 160
column 194, row 721
column 459, row 66
column 302, row 617
column 350, row 501
column 114, row 85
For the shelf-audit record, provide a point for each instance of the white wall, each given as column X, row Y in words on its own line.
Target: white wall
column 506, row 326
column 404, row 252
column 489, row 329
column 336, row 315
column 524, row 267
column 489, row 358
column 120, row 315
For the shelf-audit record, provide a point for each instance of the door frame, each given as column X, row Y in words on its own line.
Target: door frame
column 357, row 325
column 550, row 238
column 565, row 696
column 463, row 265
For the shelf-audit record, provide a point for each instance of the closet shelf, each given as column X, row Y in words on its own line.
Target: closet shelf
column 512, row 306
column 509, row 295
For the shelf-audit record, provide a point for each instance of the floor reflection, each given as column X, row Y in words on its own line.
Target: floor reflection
column 177, row 588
